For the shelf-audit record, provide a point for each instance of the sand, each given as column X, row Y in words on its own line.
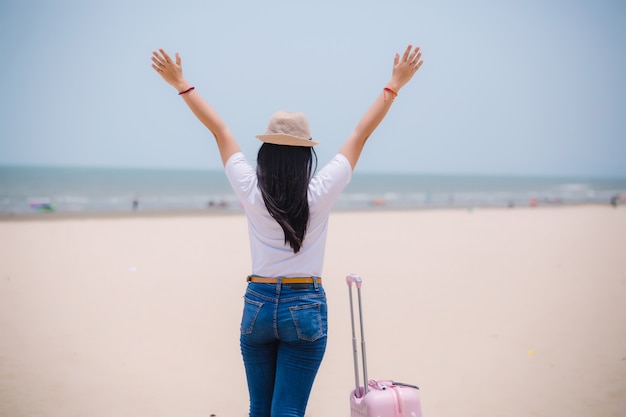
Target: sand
column 492, row 312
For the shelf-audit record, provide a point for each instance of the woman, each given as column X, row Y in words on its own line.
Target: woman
column 287, row 204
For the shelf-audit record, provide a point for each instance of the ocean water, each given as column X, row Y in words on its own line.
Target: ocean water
column 77, row 190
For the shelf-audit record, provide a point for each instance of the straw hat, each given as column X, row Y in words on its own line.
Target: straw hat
column 288, row 128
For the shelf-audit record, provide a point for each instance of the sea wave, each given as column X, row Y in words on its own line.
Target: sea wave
column 27, row 191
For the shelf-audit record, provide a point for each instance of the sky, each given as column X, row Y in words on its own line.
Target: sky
column 530, row 88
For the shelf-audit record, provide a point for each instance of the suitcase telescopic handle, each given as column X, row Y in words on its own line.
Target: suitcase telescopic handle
column 353, row 278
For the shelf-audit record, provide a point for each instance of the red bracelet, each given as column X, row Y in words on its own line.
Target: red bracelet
column 186, row 91
column 395, row 93
column 391, row 90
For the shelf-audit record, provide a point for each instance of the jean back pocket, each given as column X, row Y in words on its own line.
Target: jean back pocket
column 308, row 321
column 251, row 310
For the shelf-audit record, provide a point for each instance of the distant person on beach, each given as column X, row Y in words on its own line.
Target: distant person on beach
column 287, row 205
column 615, row 199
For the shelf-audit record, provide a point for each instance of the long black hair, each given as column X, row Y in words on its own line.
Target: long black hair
column 284, row 173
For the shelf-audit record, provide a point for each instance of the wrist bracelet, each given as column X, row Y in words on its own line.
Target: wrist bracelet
column 391, row 90
column 186, row 91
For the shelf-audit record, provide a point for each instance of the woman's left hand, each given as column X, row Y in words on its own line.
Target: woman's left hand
column 170, row 71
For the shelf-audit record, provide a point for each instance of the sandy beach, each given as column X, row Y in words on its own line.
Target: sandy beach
column 492, row 312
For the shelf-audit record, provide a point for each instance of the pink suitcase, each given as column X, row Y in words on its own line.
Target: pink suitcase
column 377, row 397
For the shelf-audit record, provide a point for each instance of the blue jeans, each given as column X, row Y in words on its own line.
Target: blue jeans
column 283, row 340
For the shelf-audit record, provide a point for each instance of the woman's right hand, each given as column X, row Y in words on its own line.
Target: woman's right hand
column 171, row 71
column 405, row 68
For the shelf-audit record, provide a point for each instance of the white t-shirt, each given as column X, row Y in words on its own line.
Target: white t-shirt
column 271, row 257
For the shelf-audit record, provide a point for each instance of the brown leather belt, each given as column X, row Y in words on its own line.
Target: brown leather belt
column 286, row 280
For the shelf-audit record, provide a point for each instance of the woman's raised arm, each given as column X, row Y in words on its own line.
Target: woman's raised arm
column 172, row 72
column 403, row 70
